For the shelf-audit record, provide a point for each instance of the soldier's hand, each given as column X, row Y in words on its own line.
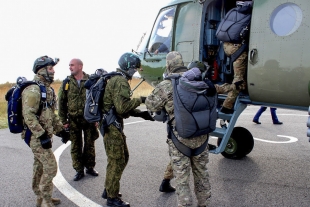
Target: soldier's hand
column 64, row 134
column 146, row 115
column 45, row 141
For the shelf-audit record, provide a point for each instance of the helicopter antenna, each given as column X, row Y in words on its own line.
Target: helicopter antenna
column 141, row 40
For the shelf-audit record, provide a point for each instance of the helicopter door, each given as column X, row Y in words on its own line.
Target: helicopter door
column 187, row 31
column 278, row 52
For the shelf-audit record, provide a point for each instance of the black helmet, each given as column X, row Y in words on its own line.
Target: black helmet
column 42, row 62
column 197, row 64
column 128, row 63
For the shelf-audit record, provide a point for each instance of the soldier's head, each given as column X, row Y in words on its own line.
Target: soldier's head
column 44, row 66
column 129, row 63
column 173, row 61
column 197, row 64
column 76, row 66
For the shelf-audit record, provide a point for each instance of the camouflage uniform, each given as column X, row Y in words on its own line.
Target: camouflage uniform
column 162, row 97
column 117, row 94
column 71, row 110
column 168, row 172
column 239, row 65
column 45, row 165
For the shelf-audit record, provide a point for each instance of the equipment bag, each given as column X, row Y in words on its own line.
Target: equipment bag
column 235, row 25
column 93, row 104
column 14, row 109
column 195, row 114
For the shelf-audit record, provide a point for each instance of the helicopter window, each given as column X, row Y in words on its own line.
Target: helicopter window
column 286, row 19
column 160, row 41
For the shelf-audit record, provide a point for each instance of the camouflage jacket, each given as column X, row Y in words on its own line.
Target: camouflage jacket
column 162, row 98
column 47, row 121
column 117, row 94
column 71, row 102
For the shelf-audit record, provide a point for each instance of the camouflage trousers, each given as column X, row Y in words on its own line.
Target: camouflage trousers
column 182, row 165
column 239, row 66
column 168, row 172
column 44, row 170
column 82, row 137
column 118, row 156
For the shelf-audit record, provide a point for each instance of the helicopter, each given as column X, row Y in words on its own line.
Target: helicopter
column 278, row 69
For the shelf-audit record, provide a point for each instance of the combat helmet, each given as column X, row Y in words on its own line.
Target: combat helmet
column 42, row 62
column 197, row 64
column 128, row 64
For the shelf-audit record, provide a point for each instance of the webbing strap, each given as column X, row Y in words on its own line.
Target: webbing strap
column 238, row 52
column 185, row 150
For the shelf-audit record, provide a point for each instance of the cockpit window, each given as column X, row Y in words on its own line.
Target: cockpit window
column 160, row 41
column 286, row 19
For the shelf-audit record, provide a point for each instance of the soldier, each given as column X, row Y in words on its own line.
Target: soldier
column 162, row 98
column 71, row 102
column 239, row 65
column 42, row 126
column 117, row 95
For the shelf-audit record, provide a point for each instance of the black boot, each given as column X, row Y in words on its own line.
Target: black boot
column 105, row 194
column 166, row 187
column 117, row 202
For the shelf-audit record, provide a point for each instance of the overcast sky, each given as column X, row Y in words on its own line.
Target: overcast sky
column 96, row 31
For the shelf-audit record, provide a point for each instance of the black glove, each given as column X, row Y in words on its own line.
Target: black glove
column 64, row 134
column 142, row 99
column 45, row 141
column 238, row 84
column 146, row 115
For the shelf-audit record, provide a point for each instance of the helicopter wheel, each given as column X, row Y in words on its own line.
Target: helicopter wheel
column 240, row 143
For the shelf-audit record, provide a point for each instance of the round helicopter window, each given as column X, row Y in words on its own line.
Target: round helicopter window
column 286, row 19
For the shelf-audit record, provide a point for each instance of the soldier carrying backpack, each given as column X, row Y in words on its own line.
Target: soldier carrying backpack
column 40, row 121
column 233, row 31
column 201, row 119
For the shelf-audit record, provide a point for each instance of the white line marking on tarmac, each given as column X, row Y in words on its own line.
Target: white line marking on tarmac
column 65, row 188
column 291, row 140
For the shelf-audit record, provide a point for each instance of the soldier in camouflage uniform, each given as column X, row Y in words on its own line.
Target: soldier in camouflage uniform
column 238, row 83
column 71, row 102
column 162, row 98
column 117, row 95
column 42, row 127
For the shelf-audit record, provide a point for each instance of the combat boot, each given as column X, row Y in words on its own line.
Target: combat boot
column 55, row 201
column 117, row 202
column 46, row 203
column 166, row 187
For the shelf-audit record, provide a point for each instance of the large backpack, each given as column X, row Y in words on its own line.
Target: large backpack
column 195, row 114
column 14, row 109
column 235, row 25
column 93, row 104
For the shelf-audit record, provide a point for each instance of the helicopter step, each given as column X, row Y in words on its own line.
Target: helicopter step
column 233, row 142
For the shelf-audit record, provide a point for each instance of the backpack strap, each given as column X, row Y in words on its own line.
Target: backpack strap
column 185, row 150
column 236, row 54
column 65, row 85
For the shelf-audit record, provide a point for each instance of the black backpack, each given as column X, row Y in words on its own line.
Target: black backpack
column 195, row 114
column 95, row 86
column 235, row 25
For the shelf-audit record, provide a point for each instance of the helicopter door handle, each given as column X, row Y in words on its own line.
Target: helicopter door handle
column 253, row 56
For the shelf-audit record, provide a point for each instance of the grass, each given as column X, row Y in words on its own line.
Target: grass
column 143, row 90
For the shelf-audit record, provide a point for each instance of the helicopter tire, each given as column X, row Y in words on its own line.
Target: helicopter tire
column 240, row 143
